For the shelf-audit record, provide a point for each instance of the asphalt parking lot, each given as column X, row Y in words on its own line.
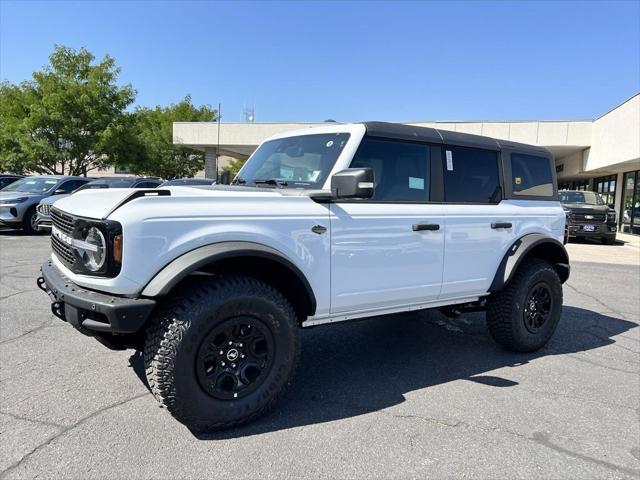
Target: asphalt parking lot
column 396, row 397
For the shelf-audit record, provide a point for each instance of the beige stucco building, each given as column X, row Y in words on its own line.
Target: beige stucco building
column 602, row 154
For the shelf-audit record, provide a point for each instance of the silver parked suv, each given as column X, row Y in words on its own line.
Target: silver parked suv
column 18, row 201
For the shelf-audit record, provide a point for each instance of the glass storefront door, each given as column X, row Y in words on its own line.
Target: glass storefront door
column 606, row 187
column 630, row 208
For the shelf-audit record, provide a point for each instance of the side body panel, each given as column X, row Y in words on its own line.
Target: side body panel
column 377, row 259
column 157, row 230
column 474, row 250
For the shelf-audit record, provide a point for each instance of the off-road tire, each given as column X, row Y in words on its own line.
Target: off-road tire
column 27, row 227
column 505, row 308
column 184, row 321
column 609, row 240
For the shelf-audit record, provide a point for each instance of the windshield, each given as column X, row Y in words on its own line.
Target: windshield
column 32, row 185
column 295, row 162
column 590, row 198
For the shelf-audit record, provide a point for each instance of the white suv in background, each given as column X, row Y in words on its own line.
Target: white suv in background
column 320, row 226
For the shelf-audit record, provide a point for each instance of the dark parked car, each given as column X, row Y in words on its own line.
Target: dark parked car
column 588, row 216
column 8, row 178
column 43, row 221
column 186, row 182
column 125, row 182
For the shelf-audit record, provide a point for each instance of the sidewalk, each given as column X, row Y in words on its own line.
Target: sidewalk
column 626, row 251
column 634, row 240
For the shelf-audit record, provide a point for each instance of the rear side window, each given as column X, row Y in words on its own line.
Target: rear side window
column 471, row 175
column 401, row 169
column 531, row 175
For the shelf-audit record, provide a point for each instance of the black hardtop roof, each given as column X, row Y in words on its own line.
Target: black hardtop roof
column 402, row 131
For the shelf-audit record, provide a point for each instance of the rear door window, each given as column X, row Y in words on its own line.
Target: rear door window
column 531, row 175
column 471, row 175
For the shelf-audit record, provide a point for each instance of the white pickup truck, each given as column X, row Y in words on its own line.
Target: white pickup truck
column 321, row 225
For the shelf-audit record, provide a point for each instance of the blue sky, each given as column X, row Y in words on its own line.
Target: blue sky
column 349, row 61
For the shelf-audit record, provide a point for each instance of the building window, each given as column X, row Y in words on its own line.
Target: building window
column 630, row 203
column 574, row 185
column 606, row 186
column 581, row 185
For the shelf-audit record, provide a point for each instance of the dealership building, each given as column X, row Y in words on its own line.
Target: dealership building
column 602, row 154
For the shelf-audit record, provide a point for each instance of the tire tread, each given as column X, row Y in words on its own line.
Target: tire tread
column 165, row 333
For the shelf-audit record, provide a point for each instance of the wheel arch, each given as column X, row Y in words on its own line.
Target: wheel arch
column 250, row 258
column 533, row 245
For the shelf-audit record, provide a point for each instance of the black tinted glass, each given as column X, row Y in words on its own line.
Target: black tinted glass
column 471, row 175
column 531, row 175
column 401, row 170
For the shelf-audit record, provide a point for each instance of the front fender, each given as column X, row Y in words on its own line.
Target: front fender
column 181, row 267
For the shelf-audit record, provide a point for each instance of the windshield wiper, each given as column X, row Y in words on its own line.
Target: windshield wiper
column 239, row 181
column 271, row 181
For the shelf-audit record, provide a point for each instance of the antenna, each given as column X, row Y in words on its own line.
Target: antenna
column 218, row 146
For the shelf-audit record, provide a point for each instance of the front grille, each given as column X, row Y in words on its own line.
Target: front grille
column 580, row 217
column 62, row 251
column 44, row 208
column 66, row 224
column 62, row 221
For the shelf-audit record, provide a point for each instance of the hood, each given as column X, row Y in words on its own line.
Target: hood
column 11, row 195
column 53, row 198
column 586, row 208
column 100, row 203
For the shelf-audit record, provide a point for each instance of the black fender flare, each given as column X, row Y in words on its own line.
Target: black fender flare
column 533, row 244
column 179, row 268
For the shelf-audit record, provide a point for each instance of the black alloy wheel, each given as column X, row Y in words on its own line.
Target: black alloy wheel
column 537, row 307
column 235, row 358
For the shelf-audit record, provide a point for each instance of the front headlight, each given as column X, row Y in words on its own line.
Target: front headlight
column 11, row 201
column 611, row 215
column 92, row 249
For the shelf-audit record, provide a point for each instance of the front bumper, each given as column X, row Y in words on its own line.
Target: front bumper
column 43, row 222
column 91, row 311
column 600, row 230
column 12, row 214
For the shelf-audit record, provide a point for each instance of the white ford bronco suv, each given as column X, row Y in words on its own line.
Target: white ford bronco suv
column 320, row 226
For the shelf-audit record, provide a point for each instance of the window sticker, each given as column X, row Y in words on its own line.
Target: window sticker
column 518, row 180
column 416, row 183
column 329, row 143
column 449, row 160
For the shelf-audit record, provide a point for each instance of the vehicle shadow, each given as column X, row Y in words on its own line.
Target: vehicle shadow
column 356, row 368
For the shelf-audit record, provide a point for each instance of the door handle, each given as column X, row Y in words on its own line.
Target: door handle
column 501, row 225
column 417, row 227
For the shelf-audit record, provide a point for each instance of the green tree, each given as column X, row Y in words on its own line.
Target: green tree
column 234, row 166
column 155, row 131
column 69, row 119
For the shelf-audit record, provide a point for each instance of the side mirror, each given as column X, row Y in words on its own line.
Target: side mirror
column 353, row 183
column 60, row 191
